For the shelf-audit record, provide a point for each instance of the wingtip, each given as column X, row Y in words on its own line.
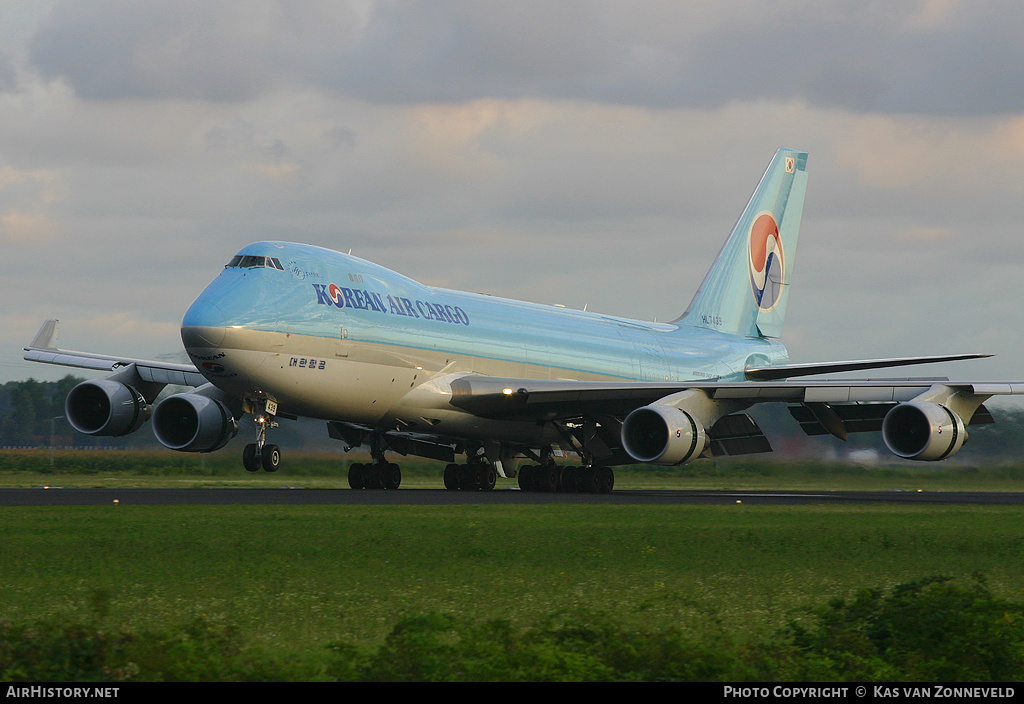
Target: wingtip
column 46, row 338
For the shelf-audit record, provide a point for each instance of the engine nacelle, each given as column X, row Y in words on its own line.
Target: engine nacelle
column 106, row 407
column 193, row 423
column 663, row 435
column 919, row 430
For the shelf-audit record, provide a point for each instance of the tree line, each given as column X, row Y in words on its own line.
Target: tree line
column 32, row 414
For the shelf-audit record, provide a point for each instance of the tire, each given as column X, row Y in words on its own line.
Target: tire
column 374, row 477
column 525, row 477
column 357, row 476
column 271, row 458
column 391, row 475
column 487, row 477
column 587, row 482
column 546, row 479
column 249, row 460
column 467, row 477
column 570, row 478
column 451, row 477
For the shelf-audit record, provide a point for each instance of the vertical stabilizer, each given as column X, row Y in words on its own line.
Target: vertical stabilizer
column 746, row 289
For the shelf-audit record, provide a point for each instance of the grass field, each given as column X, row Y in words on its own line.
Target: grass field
column 294, row 578
column 299, row 576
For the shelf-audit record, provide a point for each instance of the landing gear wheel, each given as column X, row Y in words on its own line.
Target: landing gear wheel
column 606, row 480
column 373, row 477
column 570, row 478
column 249, row 459
column 467, row 477
column 550, row 478
column 487, row 477
column 451, row 477
column 357, row 476
column 526, row 477
column 391, row 475
column 587, row 481
column 271, row 458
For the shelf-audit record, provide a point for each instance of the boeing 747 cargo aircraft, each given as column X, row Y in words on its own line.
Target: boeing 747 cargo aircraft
column 288, row 330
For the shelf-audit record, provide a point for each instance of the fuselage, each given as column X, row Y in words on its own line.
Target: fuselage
column 332, row 336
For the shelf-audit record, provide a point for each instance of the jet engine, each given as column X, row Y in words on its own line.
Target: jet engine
column 662, row 434
column 193, row 423
column 106, row 407
column 920, row 430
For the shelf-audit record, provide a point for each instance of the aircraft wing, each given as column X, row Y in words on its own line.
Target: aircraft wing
column 530, row 399
column 44, row 349
column 820, row 407
column 788, row 371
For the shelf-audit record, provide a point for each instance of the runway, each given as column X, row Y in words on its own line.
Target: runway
column 55, row 496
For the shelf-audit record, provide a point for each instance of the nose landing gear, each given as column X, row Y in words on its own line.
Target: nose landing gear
column 261, row 454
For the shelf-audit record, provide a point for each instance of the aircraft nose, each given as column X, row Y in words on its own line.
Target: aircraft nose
column 203, row 325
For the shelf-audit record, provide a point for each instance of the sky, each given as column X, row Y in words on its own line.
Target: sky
column 580, row 152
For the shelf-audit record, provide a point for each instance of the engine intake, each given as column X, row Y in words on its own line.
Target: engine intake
column 193, row 423
column 919, row 430
column 106, row 407
column 661, row 434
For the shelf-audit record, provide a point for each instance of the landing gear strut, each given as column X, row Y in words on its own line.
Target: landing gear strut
column 261, row 454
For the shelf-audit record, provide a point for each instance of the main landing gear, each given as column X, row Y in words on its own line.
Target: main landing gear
column 381, row 474
column 479, row 475
column 261, row 454
column 588, row 479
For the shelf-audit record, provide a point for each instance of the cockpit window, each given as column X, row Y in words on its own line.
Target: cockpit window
column 249, row 261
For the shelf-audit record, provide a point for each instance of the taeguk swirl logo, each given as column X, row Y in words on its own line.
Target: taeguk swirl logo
column 767, row 261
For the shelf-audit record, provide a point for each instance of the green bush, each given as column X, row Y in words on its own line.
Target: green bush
column 200, row 651
column 576, row 648
column 928, row 630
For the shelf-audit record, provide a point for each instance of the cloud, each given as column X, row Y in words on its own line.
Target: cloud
column 579, row 152
column 928, row 57
column 19, row 227
column 26, row 197
column 185, row 49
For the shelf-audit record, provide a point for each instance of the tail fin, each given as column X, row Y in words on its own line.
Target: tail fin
column 746, row 289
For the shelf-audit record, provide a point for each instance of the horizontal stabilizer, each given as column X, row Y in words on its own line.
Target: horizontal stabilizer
column 786, row 371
